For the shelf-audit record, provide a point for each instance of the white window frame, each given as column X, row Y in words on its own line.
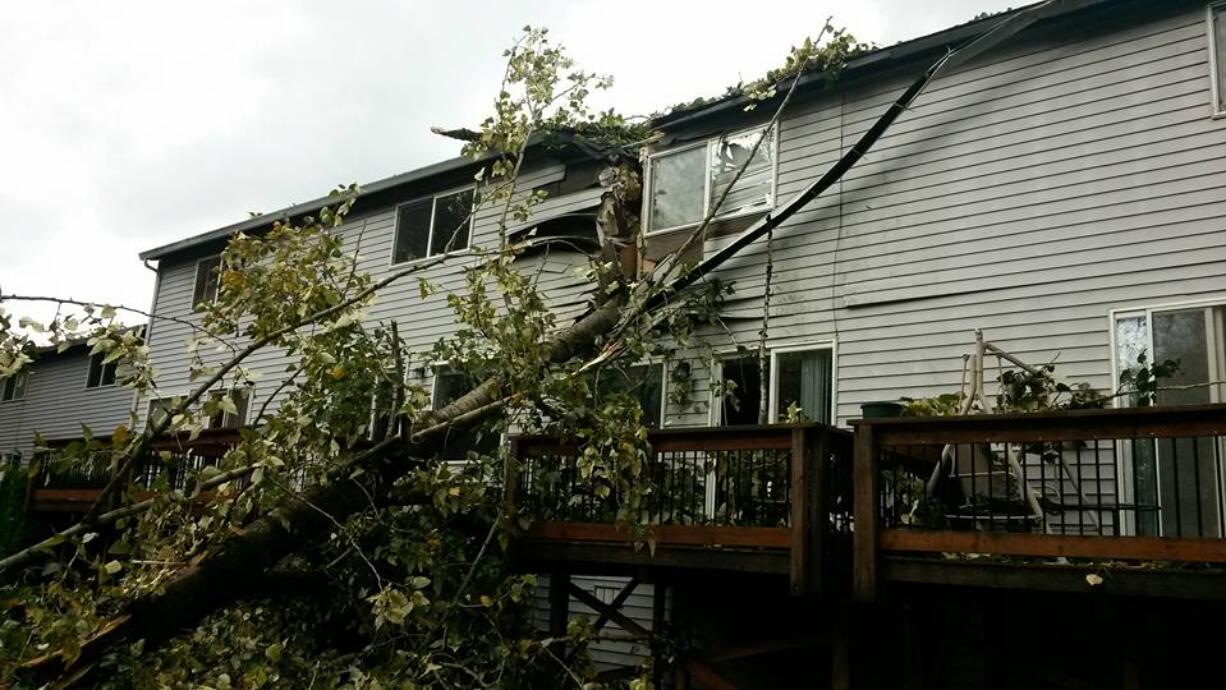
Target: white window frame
column 1218, row 106
column 430, row 230
column 716, row 372
column 832, row 347
column 710, row 145
column 196, row 281
column 246, row 415
column 1123, row 470
column 22, row 373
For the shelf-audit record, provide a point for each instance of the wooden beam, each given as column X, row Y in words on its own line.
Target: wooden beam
column 1131, row 582
column 1057, row 546
column 866, row 478
column 623, row 559
column 818, row 460
column 559, row 604
column 616, row 604
column 799, row 575
column 687, row 535
column 1068, row 425
column 710, row 679
column 625, row 622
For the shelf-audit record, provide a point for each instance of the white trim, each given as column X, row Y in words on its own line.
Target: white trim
column 1218, row 104
column 773, row 403
column 472, row 224
column 709, row 144
column 196, row 281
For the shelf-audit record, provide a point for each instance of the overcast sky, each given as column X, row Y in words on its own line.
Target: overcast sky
column 125, row 125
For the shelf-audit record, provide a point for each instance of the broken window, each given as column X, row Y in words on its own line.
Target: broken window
column 433, row 226
column 13, row 387
column 645, row 382
column 685, row 184
column 1217, row 55
column 208, row 281
column 740, row 390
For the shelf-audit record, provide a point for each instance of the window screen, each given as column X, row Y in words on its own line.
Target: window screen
column 1217, row 40
column 803, row 380
column 413, row 231
column 677, row 188
column 742, row 391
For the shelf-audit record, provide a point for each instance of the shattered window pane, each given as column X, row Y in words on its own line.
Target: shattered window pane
column 677, row 189
column 754, row 189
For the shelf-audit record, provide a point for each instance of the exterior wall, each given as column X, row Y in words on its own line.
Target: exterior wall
column 57, row 403
column 422, row 322
column 1074, row 171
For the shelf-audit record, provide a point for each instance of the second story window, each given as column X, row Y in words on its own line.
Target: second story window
column 208, row 281
column 13, row 387
column 433, row 226
column 1217, row 55
column 101, row 373
column 686, row 184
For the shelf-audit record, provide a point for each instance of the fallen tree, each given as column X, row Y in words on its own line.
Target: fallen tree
column 536, row 377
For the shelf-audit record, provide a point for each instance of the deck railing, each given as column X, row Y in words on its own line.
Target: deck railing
column 73, row 485
column 1134, row 484
column 777, row 487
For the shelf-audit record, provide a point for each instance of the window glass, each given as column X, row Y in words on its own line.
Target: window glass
column 677, row 188
column 232, row 420
column 452, row 222
column 13, row 387
column 100, row 373
column 645, row 382
column 742, row 391
column 754, row 188
column 208, row 281
column 450, row 386
column 158, row 409
column 413, row 230
column 803, row 379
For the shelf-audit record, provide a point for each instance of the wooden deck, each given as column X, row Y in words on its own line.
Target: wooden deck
column 1065, row 538
column 737, row 499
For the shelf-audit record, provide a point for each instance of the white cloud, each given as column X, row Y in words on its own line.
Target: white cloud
column 127, row 125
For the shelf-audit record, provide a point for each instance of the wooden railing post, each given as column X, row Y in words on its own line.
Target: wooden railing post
column 510, row 479
column 798, row 509
column 866, row 481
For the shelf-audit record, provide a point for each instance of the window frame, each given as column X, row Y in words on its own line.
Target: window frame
column 249, row 392
column 1216, row 68
column 829, row 345
column 710, row 144
column 103, row 366
column 1123, row 468
column 198, row 300
column 430, row 230
column 23, row 375
column 1148, row 311
column 661, row 423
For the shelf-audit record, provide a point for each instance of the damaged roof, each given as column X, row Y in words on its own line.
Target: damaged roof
column 702, row 109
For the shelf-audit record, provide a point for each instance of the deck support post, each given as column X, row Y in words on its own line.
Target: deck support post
column 866, row 493
column 800, row 560
column 559, row 603
column 840, row 651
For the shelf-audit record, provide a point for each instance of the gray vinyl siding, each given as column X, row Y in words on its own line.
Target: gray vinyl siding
column 1073, row 172
column 421, row 322
column 620, row 648
column 57, row 404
